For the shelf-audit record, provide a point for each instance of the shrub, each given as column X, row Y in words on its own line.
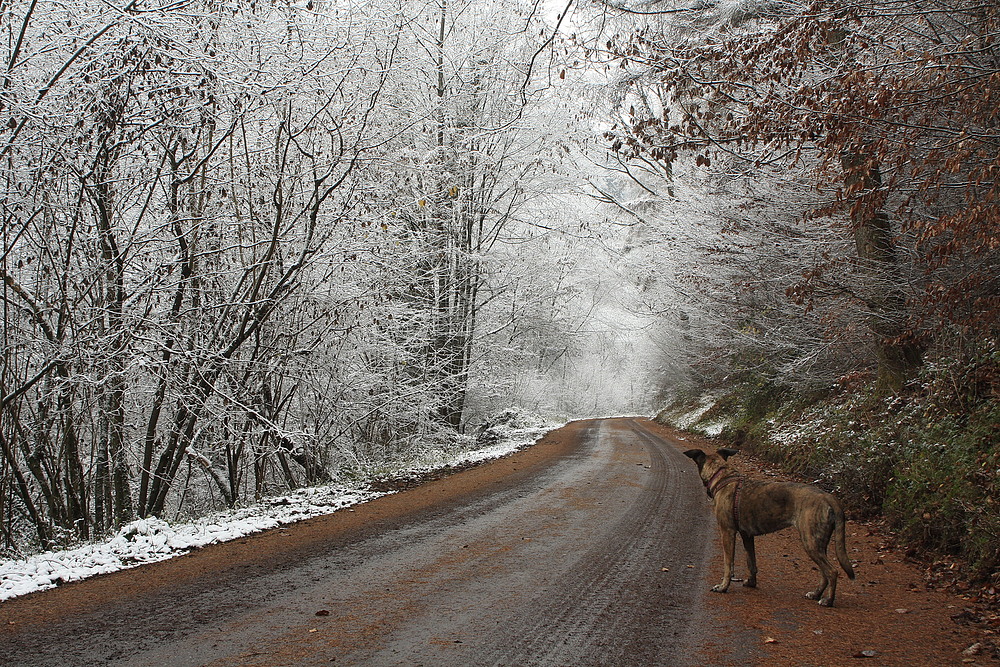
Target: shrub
column 943, row 498
column 927, row 459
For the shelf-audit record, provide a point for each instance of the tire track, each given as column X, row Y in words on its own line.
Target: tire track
column 600, row 614
column 590, row 548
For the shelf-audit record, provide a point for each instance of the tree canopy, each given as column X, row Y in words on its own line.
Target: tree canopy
column 888, row 108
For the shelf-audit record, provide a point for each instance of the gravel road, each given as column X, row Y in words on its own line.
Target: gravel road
column 589, row 548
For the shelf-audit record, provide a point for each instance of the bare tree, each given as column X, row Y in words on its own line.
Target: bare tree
column 246, row 248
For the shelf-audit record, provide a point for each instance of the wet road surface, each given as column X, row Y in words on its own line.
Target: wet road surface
column 590, row 548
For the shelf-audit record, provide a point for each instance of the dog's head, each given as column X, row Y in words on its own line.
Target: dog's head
column 710, row 464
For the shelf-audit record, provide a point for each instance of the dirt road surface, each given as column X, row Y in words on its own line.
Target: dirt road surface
column 593, row 547
column 577, row 551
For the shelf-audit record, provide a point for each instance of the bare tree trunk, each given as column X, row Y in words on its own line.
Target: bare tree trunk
column 39, row 523
column 185, row 264
column 897, row 354
column 113, row 496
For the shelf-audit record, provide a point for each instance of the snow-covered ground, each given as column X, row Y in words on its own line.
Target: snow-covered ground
column 691, row 417
column 687, row 419
column 150, row 540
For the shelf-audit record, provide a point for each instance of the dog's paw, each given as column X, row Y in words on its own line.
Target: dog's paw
column 750, row 583
column 719, row 588
column 823, row 602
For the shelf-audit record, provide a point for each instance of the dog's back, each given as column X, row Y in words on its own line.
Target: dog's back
column 816, row 514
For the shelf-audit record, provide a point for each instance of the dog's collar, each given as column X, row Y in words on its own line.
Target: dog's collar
column 708, row 482
column 711, row 487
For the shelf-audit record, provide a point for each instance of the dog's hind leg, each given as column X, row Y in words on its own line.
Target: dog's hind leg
column 748, row 546
column 728, row 549
column 816, row 549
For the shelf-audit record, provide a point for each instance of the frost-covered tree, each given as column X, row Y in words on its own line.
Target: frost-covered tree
column 882, row 107
column 255, row 246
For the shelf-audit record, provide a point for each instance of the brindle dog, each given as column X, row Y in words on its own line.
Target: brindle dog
column 750, row 507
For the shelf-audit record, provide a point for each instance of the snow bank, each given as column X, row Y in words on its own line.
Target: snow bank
column 151, row 540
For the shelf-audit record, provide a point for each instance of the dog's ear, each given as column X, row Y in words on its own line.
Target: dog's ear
column 696, row 454
column 725, row 452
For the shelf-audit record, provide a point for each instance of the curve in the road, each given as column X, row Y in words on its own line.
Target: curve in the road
column 588, row 549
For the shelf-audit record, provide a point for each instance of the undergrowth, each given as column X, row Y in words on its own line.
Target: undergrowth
column 928, row 459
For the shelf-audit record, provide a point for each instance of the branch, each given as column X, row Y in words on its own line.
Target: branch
column 62, row 70
column 203, row 461
column 656, row 12
column 545, row 45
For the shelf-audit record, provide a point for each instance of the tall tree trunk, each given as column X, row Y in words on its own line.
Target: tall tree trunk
column 113, row 495
column 897, row 353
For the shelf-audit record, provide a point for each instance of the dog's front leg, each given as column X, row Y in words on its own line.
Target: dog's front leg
column 751, row 581
column 728, row 547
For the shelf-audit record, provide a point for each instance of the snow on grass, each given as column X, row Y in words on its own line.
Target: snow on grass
column 151, row 540
column 713, row 429
column 688, row 419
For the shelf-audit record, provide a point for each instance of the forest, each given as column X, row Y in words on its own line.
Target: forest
column 263, row 245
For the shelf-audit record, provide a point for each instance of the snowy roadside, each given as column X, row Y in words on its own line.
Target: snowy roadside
column 691, row 418
column 151, row 540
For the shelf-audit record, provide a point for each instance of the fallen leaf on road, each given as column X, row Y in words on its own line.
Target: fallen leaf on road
column 975, row 649
column 867, row 653
column 770, row 640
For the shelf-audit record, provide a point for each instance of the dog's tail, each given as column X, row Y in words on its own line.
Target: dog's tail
column 840, row 539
